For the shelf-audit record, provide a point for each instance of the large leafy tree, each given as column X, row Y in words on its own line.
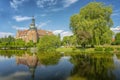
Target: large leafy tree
column 92, row 24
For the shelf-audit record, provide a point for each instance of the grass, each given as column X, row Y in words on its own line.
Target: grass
column 64, row 49
column 70, row 50
column 74, row 50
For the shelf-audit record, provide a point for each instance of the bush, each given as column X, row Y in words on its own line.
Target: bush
column 48, row 43
column 118, row 49
column 98, row 48
column 107, row 49
column 113, row 43
column 74, row 48
column 117, row 42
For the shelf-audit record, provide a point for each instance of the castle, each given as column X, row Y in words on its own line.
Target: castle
column 32, row 34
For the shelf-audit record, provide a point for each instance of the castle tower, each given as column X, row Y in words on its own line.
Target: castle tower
column 32, row 25
column 32, row 33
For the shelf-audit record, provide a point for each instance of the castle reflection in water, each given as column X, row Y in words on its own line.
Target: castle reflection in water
column 31, row 61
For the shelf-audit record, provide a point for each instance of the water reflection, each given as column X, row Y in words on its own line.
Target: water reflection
column 29, row 67
column 60, row 71
column 92, row 67
column 116, row 71
column 52, row 66
column 31, row 61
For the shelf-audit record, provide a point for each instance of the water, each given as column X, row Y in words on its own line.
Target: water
column 57, row 67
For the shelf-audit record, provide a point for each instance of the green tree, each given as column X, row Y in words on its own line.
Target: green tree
column 93, row 24
column 30, row 44
column 5, row 42
column 117, row 39
column 69, row 40
column 19, row 43
column 48, row 43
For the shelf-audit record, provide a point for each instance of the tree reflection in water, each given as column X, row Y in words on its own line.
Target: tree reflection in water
column 91, row 67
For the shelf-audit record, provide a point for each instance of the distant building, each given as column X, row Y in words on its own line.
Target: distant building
column 32, row 34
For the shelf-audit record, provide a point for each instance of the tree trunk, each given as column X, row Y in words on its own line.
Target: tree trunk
column 83, row 46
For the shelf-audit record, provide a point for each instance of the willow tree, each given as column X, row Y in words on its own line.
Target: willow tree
column 92, row 24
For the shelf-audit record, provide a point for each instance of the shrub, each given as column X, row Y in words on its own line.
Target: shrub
column 98, row 48
column 113, row 43
column 107, row 49
column 118, row 49
column 74, row 48
column 48, row 43
column 117, row 42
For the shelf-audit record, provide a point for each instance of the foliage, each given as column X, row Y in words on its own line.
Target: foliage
column 69, row 40
column 118, row 49
column 99, row 48
column 117, row 36
column 107, row 49
column 19, row 43
column 48, row 43
column 117, row 39
column 92, row 67
column 11, row 53
column 113, row 43
column 48, row 58
column 30, row 44
column 12, row 43
column 6, row 42
column 92, row 24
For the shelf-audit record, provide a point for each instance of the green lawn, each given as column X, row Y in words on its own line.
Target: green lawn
column 88, row 50
column 74, row 50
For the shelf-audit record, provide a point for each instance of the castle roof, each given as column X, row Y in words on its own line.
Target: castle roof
column 44, row 32
column 39, row 32
column 23, row 32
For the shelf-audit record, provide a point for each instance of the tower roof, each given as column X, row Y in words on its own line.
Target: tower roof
column 32, row 25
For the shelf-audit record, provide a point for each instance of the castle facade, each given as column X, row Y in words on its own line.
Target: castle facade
column 32, row 34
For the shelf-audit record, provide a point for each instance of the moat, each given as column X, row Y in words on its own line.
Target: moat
column 28, row 66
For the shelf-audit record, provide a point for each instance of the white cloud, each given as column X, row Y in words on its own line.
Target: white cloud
column 4, row 58
column 19, row 28
column 116, row 29
column 56, row 32
column 21, row 18
column 52, row 5
column 66, row 33
column 46, row 3
column 5, row 34
column 62, row 33
column 67, row 3
column 14, row 76
column 42, row 24
column 15, row 3
column 116, row 12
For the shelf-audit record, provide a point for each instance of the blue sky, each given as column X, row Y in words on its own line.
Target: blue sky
column 51, row 15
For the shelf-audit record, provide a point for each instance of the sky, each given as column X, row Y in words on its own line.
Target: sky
column 52, row 15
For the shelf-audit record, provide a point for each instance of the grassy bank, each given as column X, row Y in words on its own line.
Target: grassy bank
column 98, row 49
